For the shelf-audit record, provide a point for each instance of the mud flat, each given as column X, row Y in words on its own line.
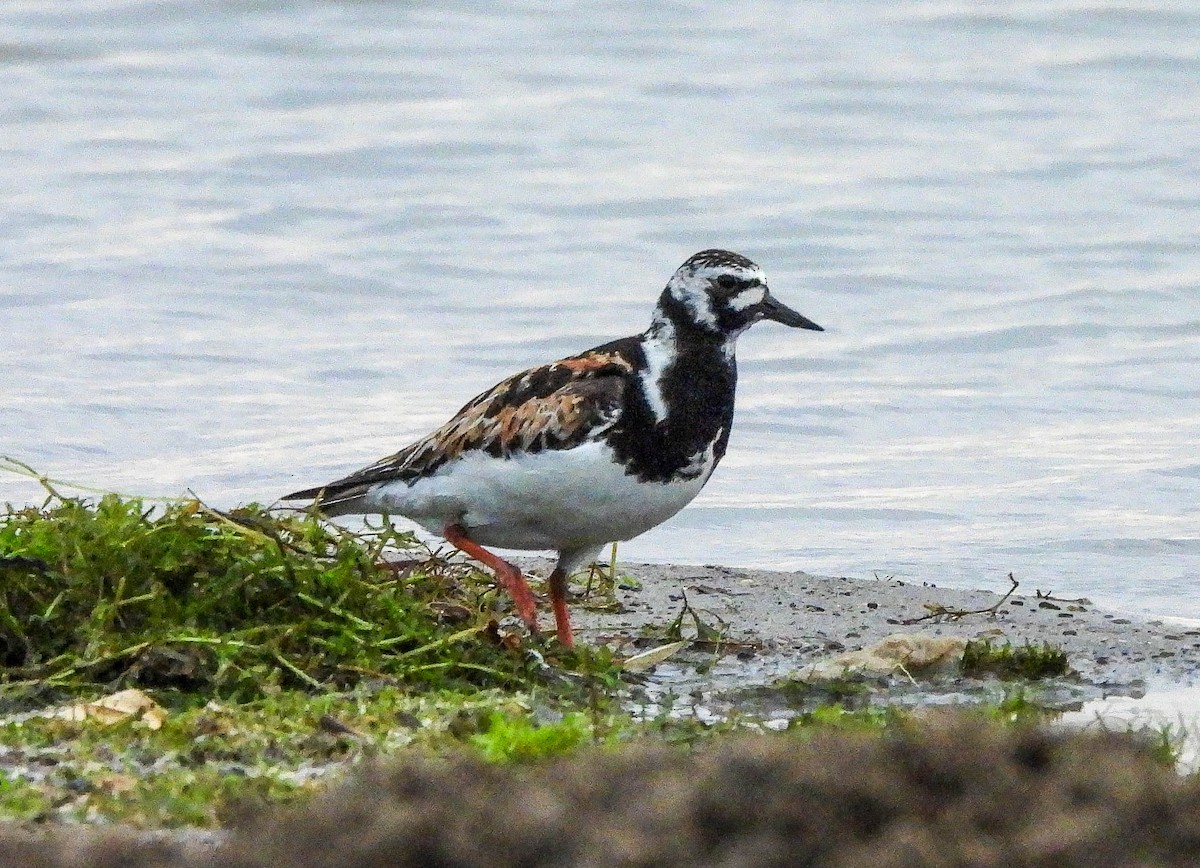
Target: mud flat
column 785, row 622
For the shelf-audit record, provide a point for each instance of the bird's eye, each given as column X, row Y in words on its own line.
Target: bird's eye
column 728, row 281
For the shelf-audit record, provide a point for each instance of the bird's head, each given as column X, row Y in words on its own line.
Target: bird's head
column 723, row 293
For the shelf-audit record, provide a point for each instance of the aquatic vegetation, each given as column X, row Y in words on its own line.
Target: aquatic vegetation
column 509, row 738
column 182, row 597
column 1018, row 706
column 1029, row 662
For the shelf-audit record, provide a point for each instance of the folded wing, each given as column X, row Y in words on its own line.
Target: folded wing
column 555, row 406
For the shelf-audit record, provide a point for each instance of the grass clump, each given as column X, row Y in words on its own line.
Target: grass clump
column 1028, row 662
column 519, row 739
column 185, row 598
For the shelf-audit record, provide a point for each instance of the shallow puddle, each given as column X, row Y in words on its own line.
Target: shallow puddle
column 1175, row 707
column 765, row 688
column 714, row 689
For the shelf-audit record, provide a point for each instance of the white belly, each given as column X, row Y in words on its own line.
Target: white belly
column 564, row 499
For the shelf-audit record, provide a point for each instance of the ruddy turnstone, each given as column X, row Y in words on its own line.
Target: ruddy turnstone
column 584, row 451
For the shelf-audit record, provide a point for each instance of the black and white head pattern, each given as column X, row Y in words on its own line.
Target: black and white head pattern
column 721, row 291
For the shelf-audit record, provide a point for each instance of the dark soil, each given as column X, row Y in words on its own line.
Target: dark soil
column 955, row 793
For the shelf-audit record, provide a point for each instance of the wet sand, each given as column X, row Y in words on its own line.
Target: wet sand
column 797, row 618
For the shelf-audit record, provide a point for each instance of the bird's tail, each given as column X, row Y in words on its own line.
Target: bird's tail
column 334, row 499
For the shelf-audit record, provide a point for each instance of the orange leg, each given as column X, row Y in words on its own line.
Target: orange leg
column 507, row 575
column 558, row 596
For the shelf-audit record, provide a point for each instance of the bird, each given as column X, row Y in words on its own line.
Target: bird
column 585, row 451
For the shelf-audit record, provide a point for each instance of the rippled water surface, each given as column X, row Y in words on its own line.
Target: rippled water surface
column 245, row 247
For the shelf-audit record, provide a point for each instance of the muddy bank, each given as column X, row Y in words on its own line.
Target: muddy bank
column 794, row 619
column 950, row 793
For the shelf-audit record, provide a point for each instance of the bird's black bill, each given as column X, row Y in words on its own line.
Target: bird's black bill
column 781, row 313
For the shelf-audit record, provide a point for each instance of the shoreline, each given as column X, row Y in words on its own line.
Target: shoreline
column 799, row 618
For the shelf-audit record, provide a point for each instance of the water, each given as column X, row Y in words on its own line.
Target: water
column 244, row 249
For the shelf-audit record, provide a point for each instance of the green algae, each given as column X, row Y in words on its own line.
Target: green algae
column 184, row 598
column 1027, row 662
